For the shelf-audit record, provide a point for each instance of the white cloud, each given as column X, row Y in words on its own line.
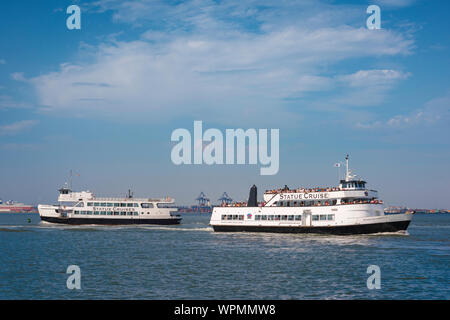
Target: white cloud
column 18, row 76
column 395, row 3
column 7, row 102
column 17, row 127
column 435, row 112
column 221, row 69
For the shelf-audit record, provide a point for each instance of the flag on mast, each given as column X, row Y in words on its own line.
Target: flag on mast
column 337, row 165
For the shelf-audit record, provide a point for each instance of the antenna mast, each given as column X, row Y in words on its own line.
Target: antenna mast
column 347, row 178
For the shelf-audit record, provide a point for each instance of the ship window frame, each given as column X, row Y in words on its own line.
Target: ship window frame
column 315, row 217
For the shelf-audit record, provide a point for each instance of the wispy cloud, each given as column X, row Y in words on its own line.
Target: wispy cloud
column 222, row 68
column 7, row 102
column 17, row 127
column 395, row 3
column 435, row 112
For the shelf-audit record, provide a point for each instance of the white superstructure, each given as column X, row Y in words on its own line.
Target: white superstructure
column 84, row 208
column 350, row 208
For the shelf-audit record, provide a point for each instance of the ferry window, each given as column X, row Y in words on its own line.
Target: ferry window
column 116, row 213
column 96, row 204
column 116, row 204
column 234, row 216
column 283, row 217
column 331, row 217
column 76, row 212
column 280, row 203
column 123, row 213
column 89, row 212
column 89, row 204
column 129, row 213
column 257, row 217
column 103, row 213
column 136, row 213
column 277, row 217
column 241, row 217
column 270, row 217
column 315, row 217
column 264, row 217
column 129, row 205
column 109, row 213
column 123, row 204
column 288, row 204
column 136, row 205
column 96, row 212
column 230, row 217
column 224, row 217
column 147, row 205
column 103, row 204
column 323, row 217
column 109, row 204
column 290, row 217
column 298, row 217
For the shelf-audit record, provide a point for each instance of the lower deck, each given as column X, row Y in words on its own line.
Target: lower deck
column 337, row 230
column 111, row 221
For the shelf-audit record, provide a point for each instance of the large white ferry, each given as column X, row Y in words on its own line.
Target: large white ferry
column 350, row 208
column 84, row 208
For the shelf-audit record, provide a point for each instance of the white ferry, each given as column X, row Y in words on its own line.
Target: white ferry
column 350, row 208
column 84, row 208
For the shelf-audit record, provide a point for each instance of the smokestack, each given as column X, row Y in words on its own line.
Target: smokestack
column 253, row 198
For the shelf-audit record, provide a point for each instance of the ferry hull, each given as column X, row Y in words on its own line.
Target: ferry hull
column 100, row 221
column 335, row 230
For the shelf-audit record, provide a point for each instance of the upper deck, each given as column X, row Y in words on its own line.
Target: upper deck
column 66, row 195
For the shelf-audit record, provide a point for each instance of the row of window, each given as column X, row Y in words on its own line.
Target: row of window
column 121, row 204
column 306, row 203
column 277, row 217
column 108, row 213
column 232, row 217
column 322, row 217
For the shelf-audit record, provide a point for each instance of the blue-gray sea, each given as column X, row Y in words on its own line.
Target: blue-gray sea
column 190, row 261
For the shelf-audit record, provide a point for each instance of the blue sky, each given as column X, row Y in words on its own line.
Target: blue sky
column 104, row 100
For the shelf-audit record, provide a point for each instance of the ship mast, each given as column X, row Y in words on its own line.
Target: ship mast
column 347, row 175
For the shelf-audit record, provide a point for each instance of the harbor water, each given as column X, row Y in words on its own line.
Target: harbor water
column 190, row 261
